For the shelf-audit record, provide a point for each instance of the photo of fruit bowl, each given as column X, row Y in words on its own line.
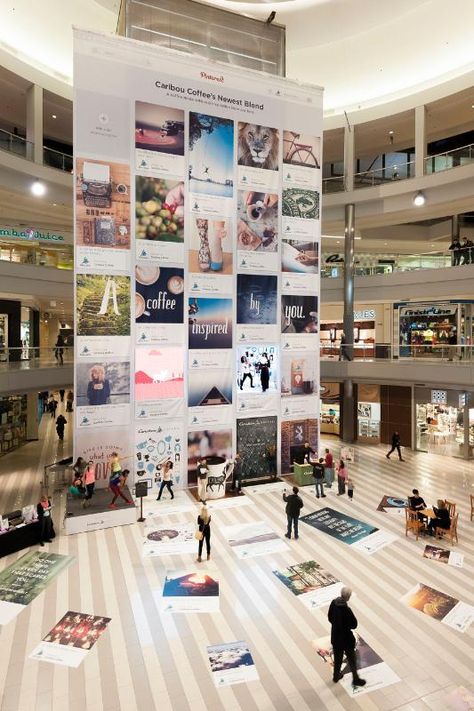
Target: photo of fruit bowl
column 159, row 209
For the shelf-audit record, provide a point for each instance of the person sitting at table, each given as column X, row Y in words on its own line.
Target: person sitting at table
column 417, row 503
column 442, row 519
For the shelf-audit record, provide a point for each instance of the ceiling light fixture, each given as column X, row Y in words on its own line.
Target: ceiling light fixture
column 53, row 116
column 38, row 188
column 419, row 199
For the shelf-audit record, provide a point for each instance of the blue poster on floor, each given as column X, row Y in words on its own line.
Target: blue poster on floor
column 338, row 525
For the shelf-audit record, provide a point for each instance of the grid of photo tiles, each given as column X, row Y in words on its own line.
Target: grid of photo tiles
column 197, row 290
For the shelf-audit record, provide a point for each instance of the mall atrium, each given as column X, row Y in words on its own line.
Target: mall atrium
column 298, row 177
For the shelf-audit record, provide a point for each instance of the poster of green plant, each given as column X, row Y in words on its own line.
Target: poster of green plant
column 26, row 578
column 103, row 305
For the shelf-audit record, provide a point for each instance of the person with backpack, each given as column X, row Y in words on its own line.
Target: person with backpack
column 318, row 474
column 294, row 504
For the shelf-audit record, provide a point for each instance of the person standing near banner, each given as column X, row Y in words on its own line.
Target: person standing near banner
column 342, row 475
column 328, row 468
column 318, row 474
column 343, row 621
column 294, row 504
column 89, row 483
column 43, row 511
column 204, row 527
column 166, row 479
column 202, row 473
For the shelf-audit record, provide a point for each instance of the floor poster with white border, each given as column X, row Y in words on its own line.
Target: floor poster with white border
column 253, row 539
column 195, row 591
column 440, row 606
column 231, row 663
column 313, row 585
column 70, row 640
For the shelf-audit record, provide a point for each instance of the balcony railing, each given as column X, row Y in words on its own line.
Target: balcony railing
column 20, row 146
column 389, row 263
column 380, row 176
column 435, row 353
column 28, row 357
column 334, row 184
column 449, row 159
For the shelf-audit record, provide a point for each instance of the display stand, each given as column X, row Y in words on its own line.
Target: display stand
column 98, row 514
column 141, row 490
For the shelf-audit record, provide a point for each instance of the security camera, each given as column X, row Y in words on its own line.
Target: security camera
column 271, row 17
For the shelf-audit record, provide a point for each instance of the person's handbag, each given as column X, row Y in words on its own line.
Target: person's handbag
column 198, row 535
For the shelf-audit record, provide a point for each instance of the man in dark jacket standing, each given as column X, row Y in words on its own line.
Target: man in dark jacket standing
column 294, row 504
column 396, row 441
column 318, row 473
column 343, row 621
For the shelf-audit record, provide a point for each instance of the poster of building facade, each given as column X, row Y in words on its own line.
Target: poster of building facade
column 192, row 200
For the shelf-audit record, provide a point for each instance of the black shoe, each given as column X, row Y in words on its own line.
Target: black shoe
column 296, row 537
column 287, row 536
column 402, row 460
column 317, row 496
column 387, row 456
column 359, row 682
column 41, row 543
column 48, row 540
column 337, row 678
column 323, row 495
column 158, row 498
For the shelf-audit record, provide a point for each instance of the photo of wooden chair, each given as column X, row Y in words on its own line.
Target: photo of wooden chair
column 412, row 522
column 451, row 508
column 451, row 533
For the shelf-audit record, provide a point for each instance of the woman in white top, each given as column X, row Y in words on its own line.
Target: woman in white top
column 166, row 480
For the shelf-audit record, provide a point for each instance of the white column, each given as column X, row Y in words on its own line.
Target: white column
column 349, row 152
column 32, row 416
column 420, row 140
column 34, row 122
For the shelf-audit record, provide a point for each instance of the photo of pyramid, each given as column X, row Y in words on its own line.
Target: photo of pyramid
column 207, row 387
column 214, row 397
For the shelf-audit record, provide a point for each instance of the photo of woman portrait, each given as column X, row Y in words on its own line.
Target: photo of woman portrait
column 98, row 388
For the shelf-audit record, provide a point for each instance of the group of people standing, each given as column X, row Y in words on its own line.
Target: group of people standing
column 461, row 252
column 84, row 480
column 250, row 368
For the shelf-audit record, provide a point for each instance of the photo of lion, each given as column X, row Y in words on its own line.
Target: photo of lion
column 258, row 146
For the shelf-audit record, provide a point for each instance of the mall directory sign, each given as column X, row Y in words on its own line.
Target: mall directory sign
column 197, row 198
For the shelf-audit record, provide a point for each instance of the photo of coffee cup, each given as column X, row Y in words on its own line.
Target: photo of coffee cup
column 254, row 211
column 175, row 285
column 139, row 305
column 146, row 275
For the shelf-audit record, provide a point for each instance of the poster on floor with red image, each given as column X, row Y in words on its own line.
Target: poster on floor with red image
column 186, row 183
column 70, row 640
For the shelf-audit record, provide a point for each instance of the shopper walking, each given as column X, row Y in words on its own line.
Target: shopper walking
column 396, row 442
column 60, row 423
column 89, row 483
column 43, row 511
column 328, row 468
column 59, row 349
column 294, row 504
column 116, row 482
column 318, row 474
column 204, row 532
column 166, row 479
column 202, row 474
column 342, row 475
column 350, row 488
column 61, row 394
column 343, row 621
column 69, row 401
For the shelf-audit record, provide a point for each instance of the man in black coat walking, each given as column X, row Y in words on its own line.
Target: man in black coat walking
column 294, row 504
column 343, row 621
column 396, row 441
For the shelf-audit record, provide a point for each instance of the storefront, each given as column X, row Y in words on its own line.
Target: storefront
column 19, row 331
column 368, row 330
column 38, row 247
column 368, row 413
column 440, row 424
column 330, row 409
column 13, row 416
column 432, row 330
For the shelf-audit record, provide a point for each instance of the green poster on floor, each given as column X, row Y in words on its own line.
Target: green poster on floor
column 26, row 578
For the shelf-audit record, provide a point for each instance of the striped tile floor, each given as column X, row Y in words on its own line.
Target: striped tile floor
column 151, row 661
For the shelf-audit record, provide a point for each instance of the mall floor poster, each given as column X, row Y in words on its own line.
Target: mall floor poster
column 313, row 585
column 460, row 699
column 442, row 555
column 440, row 606
column 392, row 504
column 231, row 663
column 26, row 578
column 168, row 539
column 252, row 539
column 338, row 525
column 70, row 639
column 370, row 665
column 196, row 591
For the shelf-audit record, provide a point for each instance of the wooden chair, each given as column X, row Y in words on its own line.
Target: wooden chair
column 472, row 506
column 412, row 522
column 451, row 508
column 451, row 532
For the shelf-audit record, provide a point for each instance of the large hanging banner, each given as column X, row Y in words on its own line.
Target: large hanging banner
column 197, row 232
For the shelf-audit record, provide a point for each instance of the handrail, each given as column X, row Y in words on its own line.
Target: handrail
column 451, row 150
column 35, row 356
column 8, row 140
column 460, row 355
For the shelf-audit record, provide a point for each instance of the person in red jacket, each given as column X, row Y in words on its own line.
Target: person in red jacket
column 343, row 621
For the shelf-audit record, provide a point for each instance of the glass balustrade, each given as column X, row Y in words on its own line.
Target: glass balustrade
column 13, row 143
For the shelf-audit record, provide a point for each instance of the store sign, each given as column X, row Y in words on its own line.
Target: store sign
column 366, row 315
column 429, row 311
column 31, row 235
column 439, row 397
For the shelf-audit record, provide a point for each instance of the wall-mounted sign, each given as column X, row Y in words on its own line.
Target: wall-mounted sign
column 434, row 310
column 29, row 234
column 439, row 397
column 365, row 315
